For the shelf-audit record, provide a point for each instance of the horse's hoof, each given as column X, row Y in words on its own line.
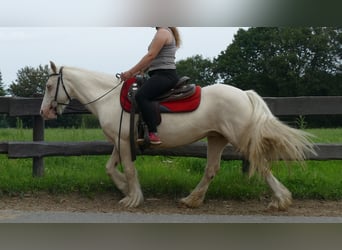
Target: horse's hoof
column 273, row 206
column 280, row 205
column 190, row 203
column 131, row 202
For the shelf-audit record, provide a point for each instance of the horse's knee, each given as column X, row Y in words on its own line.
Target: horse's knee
column 111, row 165
column 109, row 168
column 109, row 171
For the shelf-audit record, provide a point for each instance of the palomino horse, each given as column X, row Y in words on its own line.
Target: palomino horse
column 225, row 115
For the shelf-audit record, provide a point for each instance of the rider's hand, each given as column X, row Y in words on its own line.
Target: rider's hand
column 125, row 75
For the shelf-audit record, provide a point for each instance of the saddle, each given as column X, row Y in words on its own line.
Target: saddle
column 182, row 90
column 184, row 97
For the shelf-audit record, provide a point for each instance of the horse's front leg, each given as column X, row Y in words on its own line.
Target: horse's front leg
column 216, row 144
column 134, row 196
column 118, row 178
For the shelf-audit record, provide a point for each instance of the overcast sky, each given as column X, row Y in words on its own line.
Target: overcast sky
column 105, row 49
column 85, row 33
column 109, row 36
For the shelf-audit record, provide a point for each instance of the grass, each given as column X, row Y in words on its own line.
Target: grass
column 163, row 176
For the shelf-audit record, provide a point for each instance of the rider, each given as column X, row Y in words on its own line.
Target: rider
column 160, row 64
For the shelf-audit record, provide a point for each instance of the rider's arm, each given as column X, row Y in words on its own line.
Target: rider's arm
column 161, row 38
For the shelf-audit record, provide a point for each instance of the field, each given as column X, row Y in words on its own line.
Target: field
column 163, row 176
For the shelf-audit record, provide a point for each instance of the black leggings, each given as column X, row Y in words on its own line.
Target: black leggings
column 160, row 82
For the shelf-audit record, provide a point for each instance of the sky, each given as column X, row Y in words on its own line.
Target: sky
column 112, row 35
column 105, row 49
column 108, row 35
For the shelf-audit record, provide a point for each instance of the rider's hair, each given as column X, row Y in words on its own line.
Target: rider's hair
column 176, row 35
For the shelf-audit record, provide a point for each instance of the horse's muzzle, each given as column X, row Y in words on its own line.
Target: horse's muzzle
column 49, row 113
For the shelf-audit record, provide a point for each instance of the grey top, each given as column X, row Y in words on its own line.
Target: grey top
column 166, row 57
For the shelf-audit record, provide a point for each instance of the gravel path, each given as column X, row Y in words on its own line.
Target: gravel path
column 105, row 208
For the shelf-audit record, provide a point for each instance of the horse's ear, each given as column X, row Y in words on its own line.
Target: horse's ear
column 53, row 67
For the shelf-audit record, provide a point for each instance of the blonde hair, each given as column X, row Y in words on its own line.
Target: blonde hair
column 176, row 34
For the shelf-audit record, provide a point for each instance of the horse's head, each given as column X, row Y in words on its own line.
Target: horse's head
column 56, row 95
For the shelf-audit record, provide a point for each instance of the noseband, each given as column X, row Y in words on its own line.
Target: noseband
column 60, row 81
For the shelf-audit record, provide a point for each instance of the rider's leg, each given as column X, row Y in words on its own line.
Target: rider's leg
column 160, row 82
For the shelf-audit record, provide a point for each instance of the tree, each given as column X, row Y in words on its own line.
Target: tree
column 284, row 61
column 3, row 120
column 198, row 69
column 30, row 82
column 2, row 90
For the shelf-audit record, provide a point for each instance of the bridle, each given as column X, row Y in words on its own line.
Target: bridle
column 60, row 81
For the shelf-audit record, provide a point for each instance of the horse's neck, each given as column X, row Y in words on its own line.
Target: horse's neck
column 88, row 86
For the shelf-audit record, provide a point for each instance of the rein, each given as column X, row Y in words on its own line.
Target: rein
column 60, row 81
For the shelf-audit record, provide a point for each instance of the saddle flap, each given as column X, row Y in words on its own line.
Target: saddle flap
column 181, row 92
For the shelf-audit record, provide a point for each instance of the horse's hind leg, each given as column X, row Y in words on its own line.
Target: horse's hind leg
column 118, row 178
column 282, row 197
column 216, row 144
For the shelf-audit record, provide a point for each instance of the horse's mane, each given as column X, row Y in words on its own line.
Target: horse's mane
column 88, row 71
column 93, row 76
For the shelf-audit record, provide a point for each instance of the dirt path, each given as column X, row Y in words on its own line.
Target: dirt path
column 108, row 203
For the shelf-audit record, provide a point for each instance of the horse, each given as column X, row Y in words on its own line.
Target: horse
column 225, row 115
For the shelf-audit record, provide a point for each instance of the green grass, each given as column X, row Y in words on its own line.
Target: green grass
column 163, row 176
column 331, row 135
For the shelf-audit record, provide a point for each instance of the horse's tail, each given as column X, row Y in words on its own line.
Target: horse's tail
column 267, row 139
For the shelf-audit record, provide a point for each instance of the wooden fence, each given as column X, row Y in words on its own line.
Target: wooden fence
column 38, row 148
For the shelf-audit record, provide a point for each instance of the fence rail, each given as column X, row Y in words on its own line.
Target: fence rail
column 197, row 149
column 38, row 148
column 303, row 105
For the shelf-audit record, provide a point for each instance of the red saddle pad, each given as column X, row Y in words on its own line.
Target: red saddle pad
column 188, row 104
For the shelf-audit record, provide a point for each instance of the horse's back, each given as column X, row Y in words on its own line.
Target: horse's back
column 226, row 97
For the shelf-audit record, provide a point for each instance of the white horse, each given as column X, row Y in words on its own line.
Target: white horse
column 225, row 115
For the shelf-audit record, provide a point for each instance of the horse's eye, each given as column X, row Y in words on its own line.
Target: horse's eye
column 48, row 87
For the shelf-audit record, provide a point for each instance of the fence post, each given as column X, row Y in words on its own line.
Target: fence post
column 38, row 135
